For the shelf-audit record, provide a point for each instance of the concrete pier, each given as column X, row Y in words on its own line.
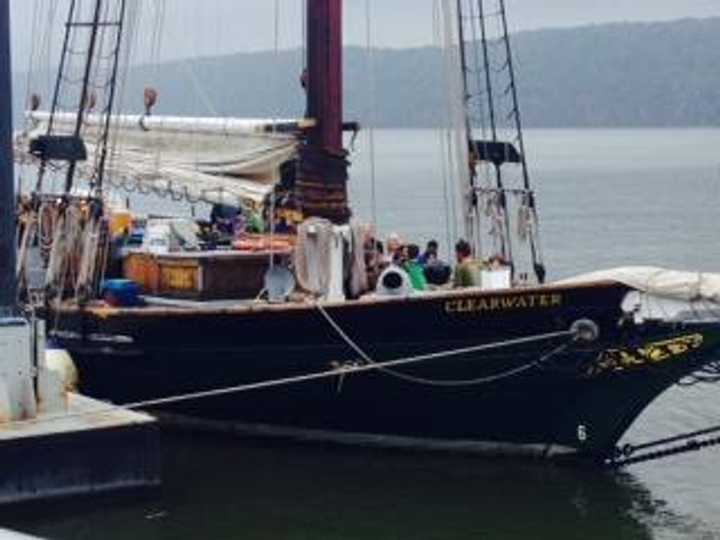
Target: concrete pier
column 82, row 453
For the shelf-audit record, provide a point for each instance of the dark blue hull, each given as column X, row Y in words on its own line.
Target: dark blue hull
column 552, row 396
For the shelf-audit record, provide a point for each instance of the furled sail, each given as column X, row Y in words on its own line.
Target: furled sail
column 216, row 160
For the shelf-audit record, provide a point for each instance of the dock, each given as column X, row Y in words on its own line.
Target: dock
column 90, row 449
column 55, row 443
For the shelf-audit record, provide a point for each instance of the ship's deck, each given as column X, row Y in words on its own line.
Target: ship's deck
column 158, row 306
column 162, row 301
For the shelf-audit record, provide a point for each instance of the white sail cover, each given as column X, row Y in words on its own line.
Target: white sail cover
column 217, row 160
column 673, row 284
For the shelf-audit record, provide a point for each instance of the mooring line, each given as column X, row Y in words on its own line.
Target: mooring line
column 439, row 382
column 343, row 370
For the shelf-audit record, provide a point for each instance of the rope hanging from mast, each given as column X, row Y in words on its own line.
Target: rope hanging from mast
column 372, row 106
column 444, row 144
column 455, row 125
column 76, row 239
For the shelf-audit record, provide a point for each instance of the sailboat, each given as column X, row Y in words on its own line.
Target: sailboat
column 515, row 365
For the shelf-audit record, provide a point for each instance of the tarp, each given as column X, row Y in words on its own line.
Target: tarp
column 673, row 284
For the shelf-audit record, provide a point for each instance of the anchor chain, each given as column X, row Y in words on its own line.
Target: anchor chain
column 624, row 455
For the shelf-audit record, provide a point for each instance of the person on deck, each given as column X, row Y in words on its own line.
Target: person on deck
column 281, row 227
column 373, row 256
column 414, row 269
column 437, row 271
column 430, row 254
column 394, row 246
column 222, row 218
column 468, row 270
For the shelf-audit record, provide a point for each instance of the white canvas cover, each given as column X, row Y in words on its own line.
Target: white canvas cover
column 672, row 284
column 217, row 160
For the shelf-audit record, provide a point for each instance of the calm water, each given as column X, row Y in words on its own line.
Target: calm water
column 607, row 198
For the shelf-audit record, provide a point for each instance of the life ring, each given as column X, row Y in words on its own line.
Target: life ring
column 262, row 243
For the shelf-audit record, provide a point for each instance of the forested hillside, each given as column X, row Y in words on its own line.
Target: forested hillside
column 660, row 74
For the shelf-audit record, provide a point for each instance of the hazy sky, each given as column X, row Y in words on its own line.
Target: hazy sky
column 203, row 27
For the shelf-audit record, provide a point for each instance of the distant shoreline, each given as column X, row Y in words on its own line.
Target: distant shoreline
column 663, row 75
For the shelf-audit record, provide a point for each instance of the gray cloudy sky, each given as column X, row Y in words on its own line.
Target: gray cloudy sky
column 204, row 27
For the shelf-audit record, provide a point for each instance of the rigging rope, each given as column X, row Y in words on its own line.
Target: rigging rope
column 276, row 115
column 303, row 34
column 131, row 36
column 457, row 137
column 448, row 194
column 445, row 130
column 370, row 56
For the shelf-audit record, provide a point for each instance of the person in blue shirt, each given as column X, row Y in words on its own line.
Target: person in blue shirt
column 222, row 217
column 430, row 254
column 437, row 272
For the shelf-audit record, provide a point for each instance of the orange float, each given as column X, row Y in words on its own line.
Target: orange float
column 264, row 242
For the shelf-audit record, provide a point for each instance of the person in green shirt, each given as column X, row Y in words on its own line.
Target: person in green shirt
column 414, row 269
column 468, row 270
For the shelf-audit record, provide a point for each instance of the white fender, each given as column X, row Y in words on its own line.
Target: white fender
column 56, row 378
column 60, row 362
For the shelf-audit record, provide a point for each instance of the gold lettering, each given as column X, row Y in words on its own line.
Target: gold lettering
column 677, row 348
column 657, row 354
column 497, row 303
column 630, row 360
column 652, row 353
column 178, row 278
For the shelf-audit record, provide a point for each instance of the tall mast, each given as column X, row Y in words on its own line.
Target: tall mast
column 8, row 285
column 321, row 186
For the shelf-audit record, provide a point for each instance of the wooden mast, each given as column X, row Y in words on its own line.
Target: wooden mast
column 7, row 177
column 321, row 186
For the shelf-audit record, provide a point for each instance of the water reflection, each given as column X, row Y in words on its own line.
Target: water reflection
column 220, row 488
